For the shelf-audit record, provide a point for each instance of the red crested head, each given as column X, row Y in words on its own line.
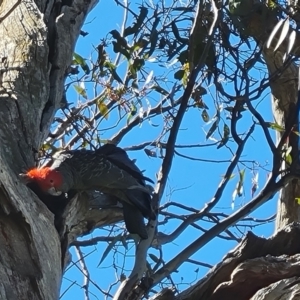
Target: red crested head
column 46, row 178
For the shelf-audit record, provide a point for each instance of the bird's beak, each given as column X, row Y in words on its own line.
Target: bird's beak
column 24, row 178
column 52, row 191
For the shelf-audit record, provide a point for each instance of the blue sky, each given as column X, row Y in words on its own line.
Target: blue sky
column 191, row 183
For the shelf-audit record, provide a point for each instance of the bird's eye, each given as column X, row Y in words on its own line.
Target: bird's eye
column 51, row 181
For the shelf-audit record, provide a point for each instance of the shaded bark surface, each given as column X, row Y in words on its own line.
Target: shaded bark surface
column 36, row 48
column 259, row 24
column 257, row 268
column 38, row 38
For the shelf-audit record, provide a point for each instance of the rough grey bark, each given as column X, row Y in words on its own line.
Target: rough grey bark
column 284, row 95
column 257, row 268
column 36, row 47
column 258, row 24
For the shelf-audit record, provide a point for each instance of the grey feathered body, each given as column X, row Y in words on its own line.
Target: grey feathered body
column 109, row 170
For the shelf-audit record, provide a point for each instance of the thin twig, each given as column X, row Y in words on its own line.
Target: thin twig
column 270, row 189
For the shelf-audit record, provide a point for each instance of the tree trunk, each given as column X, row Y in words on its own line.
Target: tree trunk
column 259, row 24
column 37, row 43
column 284, row 97
column 257, row 268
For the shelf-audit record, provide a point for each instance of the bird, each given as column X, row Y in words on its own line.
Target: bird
column 107, row 169
column 56, row 204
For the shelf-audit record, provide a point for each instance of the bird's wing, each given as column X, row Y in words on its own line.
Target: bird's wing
column 134, row 220
column 84, row 158
column 104, row 174
column 134, row 198
column 108, row 170
column 142, row 201
column 119, row 157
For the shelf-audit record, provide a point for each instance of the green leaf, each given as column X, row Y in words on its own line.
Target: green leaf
column 150, row 153
column 136, row 47
column 133, row 109
column 159, row 89
column 212, row 129
column 84, row 144
column 80, row 90
column 240, row 7
column 129, row 117
column 138, row 63
column 117, row 48
column 102, row 56
column 296, row 132
column 103, row 109
column 116, row 76
column 47, row 146
column 239, row 188
column 254, row 181
column 79, row 60
column 121, row 41
column 139, row 22
column 109, row 248
column 197, row 96
column 179, row 74
column 132, row 113
column 153, row 41
column 205, row 115
column 271, row 4
column 162, row 43
column 154, row 258
column 288, row 150
column 109, row 65
column 149, row 77
column 177, row 35
column 249, row 63
column 275, row 126
column 198, row 92
column 225, row 138
column 242, row 175
column 286, row 154
column 112, row 69
column 124, row 242
column 230, row 177
column 183, row 57
column 288, row 159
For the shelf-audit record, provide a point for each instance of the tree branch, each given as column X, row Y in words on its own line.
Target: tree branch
column 266, row 194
